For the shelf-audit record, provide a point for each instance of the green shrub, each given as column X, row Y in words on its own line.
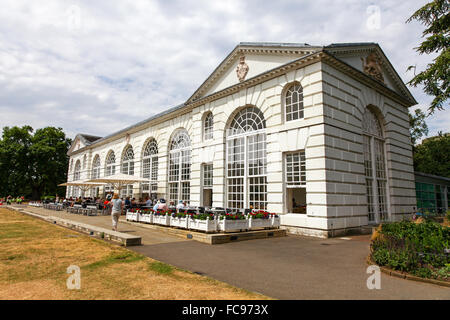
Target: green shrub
column 418, row 248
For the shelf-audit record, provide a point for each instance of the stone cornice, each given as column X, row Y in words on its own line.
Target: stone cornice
column 314, row 57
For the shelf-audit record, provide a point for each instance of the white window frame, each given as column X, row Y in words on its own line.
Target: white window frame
column 180, row 149
column 208, row 127
column 300, row 103
column 150, row 163
column 237, row 132
column 373, row 133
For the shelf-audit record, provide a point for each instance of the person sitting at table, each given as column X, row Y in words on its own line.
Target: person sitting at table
column 180, row 205
column 148, row 202
column 163, row 205
column 127, row 203
column 155, row 207
column 133, row 203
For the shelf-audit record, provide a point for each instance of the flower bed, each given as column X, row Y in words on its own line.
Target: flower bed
column 232, row 222
column 421, row 249
column 203, row 222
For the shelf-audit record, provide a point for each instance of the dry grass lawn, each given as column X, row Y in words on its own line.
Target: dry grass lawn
column 35, row 255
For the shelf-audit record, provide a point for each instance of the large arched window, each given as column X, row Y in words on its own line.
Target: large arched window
column 150, row 166
column 293, row 102
column 76, row 192
column 374, row 168
column 95, row 174
column 246, row 160
column 77, row 171
column 110, row 168
column 96, row 168
column 127, row 168
column 180, row 167
column 208, row 124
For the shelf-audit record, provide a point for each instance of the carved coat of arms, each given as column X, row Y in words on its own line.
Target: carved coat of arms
column 372, row 66
column 242, row 69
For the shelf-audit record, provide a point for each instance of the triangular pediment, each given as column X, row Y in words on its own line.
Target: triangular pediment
column 249, row 60
column 81, row 141
column 371, row 60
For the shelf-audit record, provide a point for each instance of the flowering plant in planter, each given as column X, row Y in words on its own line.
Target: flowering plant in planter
column 232, row 216
column 203, row 216
column 161, row 213
column 179, row 214
column 261, row 214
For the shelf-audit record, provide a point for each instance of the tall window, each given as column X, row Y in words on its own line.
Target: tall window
column 294, row 102
column 95, row 174
column 110, row 169
column 96, row 168
column 180, row 167
column 150, row 167
column 128, row 168
column 374, row 168
column 76, row 176
column 77, row 171
column 207, row 184
column 246, row 160
column 208, row 127
column 295, row 180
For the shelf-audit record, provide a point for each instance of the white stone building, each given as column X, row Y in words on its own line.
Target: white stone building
column 319, row 134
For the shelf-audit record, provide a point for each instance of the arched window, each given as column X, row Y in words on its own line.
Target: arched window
column 76, row 192
column 246, row 160
column 77, row 171
column 180, row 167
column 374, row 168
column 96, row 168
column 95, row 174
column 294, row 102
column 150, row 166
column 127, row 168
column 208, row 124
column 110, row 169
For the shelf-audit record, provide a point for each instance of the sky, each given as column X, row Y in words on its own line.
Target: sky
column 96, row 67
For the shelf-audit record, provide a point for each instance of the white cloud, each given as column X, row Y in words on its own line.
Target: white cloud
column 97, row 67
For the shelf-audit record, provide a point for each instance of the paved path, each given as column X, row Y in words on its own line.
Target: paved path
column 149, row 236
column 292, row 267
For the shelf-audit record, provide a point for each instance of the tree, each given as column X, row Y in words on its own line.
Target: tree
column 417, row 125
column 32, row 165
column 433, row 155
column 435, row 79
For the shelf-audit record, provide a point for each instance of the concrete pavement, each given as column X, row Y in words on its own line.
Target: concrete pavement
column 291, row 267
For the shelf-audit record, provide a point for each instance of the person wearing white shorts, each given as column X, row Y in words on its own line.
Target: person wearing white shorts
column 116, row 211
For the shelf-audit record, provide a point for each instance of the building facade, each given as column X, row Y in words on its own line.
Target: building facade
column 319, row 135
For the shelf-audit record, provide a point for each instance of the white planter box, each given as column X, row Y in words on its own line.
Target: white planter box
column 162, row 220
column 232, row 225
column 132, row 216
column 275, row 222
column 146, row 217
column 259, row 223
column 203, row 225
column 179, row 222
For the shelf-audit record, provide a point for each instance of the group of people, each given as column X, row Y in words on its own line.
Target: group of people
column 9, row 200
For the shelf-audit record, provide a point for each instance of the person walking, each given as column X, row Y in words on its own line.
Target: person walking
column 116, row 211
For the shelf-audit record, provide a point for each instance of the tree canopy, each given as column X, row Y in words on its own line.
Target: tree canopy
column 433, row 155
column 435, row 78
column 33, row 164
column 417, row 125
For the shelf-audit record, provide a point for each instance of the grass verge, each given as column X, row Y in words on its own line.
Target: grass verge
column 35, row 256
